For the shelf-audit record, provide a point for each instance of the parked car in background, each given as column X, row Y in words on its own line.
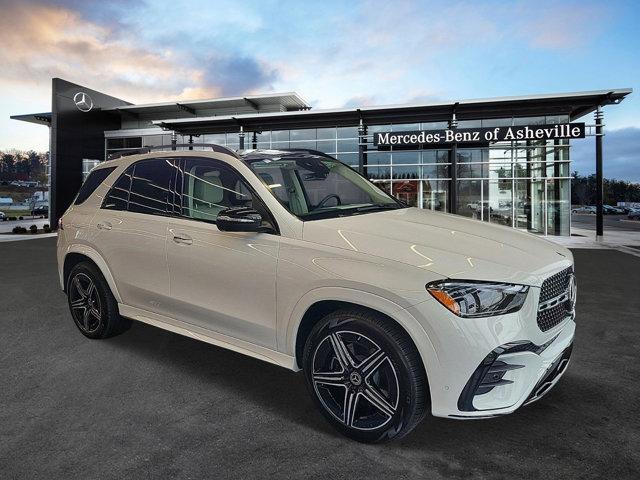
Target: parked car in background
column 611, row 210
column 40, row 210
column 3, row 217
column 634, row 214
column 586, row 209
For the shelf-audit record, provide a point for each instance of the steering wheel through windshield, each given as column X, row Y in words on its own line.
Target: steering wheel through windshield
column 326, row 199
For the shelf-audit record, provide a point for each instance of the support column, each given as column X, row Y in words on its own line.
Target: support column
column 599, row 177
column 254, row 140
column 241, row 138
column 174, row 140
column 453, row 159
column 362, row 148
column 190, row 142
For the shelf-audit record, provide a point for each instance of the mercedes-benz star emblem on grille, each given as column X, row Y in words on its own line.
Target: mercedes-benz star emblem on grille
column 83, row 101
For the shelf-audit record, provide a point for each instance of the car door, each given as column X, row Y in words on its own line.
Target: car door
column 131, row 229
column 222, row 281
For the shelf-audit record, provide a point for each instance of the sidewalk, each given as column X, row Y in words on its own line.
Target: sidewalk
column 616, row 239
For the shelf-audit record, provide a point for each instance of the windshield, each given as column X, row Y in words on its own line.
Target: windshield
column 314, row 186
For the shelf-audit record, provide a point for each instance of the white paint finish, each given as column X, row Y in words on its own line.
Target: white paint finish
column 134, row 250
column 248, row 292
column 224, row 281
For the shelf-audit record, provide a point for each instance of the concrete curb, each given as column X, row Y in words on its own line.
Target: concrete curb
column 10, row 237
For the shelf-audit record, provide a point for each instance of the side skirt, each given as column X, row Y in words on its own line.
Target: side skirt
column 198, row 333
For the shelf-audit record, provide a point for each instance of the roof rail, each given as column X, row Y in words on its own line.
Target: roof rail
column 141, row 150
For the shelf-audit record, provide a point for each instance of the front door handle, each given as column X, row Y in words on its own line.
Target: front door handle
column 104, row 226
column 183, row 239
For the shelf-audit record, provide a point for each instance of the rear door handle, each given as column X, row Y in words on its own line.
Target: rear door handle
column 183, row 239
column 104, row 225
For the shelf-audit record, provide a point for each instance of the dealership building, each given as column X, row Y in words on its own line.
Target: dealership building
column 499, row 160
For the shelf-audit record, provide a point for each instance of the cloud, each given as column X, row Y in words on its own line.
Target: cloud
column 621, row 155
column 238, row 75
column 41, row 41
column 561, row 27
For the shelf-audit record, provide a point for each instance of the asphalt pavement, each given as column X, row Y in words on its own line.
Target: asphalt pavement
column 153, row 404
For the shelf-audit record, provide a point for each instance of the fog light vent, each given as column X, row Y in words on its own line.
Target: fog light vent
column 493, row 377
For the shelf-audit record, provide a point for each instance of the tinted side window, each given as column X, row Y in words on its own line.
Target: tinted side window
column 118, row 195
column 151, row 190
column 95, row 178
column 208, row 187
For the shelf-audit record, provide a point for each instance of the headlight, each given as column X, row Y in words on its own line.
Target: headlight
column 472, row 299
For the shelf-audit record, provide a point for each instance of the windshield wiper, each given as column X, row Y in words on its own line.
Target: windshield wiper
column 384, row 206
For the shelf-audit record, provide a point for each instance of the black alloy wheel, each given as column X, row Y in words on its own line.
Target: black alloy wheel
column 93, row 307
column 366, row 375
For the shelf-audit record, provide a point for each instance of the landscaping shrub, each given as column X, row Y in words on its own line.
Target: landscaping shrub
column 20, row 217
column 46, row 228
column 13, row 218
column 19, row 229
column 33, row 229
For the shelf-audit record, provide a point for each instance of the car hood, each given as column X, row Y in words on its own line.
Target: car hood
column 448, row 245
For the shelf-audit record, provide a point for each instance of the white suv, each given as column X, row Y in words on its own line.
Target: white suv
column 294, row 258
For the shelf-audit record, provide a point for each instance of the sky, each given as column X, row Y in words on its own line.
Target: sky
column 333, row 53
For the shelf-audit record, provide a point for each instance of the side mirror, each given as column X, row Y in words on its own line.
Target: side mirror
column 239, row 219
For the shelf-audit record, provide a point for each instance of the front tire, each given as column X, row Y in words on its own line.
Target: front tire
column 365, row 375
column 93, row 307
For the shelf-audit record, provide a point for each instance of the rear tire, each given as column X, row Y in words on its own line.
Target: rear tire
column 93, row 307
column 365, row 375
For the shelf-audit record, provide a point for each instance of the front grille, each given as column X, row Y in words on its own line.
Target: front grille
column 556, row 303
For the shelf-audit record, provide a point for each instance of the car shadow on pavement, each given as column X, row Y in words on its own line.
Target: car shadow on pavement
column 280, row 391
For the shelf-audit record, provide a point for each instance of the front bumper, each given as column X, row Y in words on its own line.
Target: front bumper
column 491, row 366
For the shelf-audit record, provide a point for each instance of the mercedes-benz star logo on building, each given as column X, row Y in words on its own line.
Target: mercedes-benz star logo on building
column 83, row 101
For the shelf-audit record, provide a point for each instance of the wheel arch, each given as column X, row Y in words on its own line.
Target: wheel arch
column 318, row 303
column 80, row 253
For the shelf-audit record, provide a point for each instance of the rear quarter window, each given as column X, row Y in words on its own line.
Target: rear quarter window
column 95, row 178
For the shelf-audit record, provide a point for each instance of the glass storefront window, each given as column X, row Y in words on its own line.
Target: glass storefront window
column 435, row 171
column 379, row 128
column 497, row 122
column 347, row 132
column 350, row 159
column 280, row 136
column 405, row 127
column 309, row 144
column 407, row 192
column 435, row 156
column 404, row 157
column 434, row 125
column 469, row 123
column 217, row 138
column 326, row 146
column 326, row 133
column 498, row 202
column 378, row 158
column 435, row 195
column 405, row 172
column 469, row 198
column 305, row 134
column 347, row 145
column 378, row 173
column 558, row 207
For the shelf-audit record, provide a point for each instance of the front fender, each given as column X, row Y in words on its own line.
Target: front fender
column 358, row 297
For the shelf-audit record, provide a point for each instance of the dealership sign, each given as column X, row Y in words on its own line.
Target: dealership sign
column 479, row 135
